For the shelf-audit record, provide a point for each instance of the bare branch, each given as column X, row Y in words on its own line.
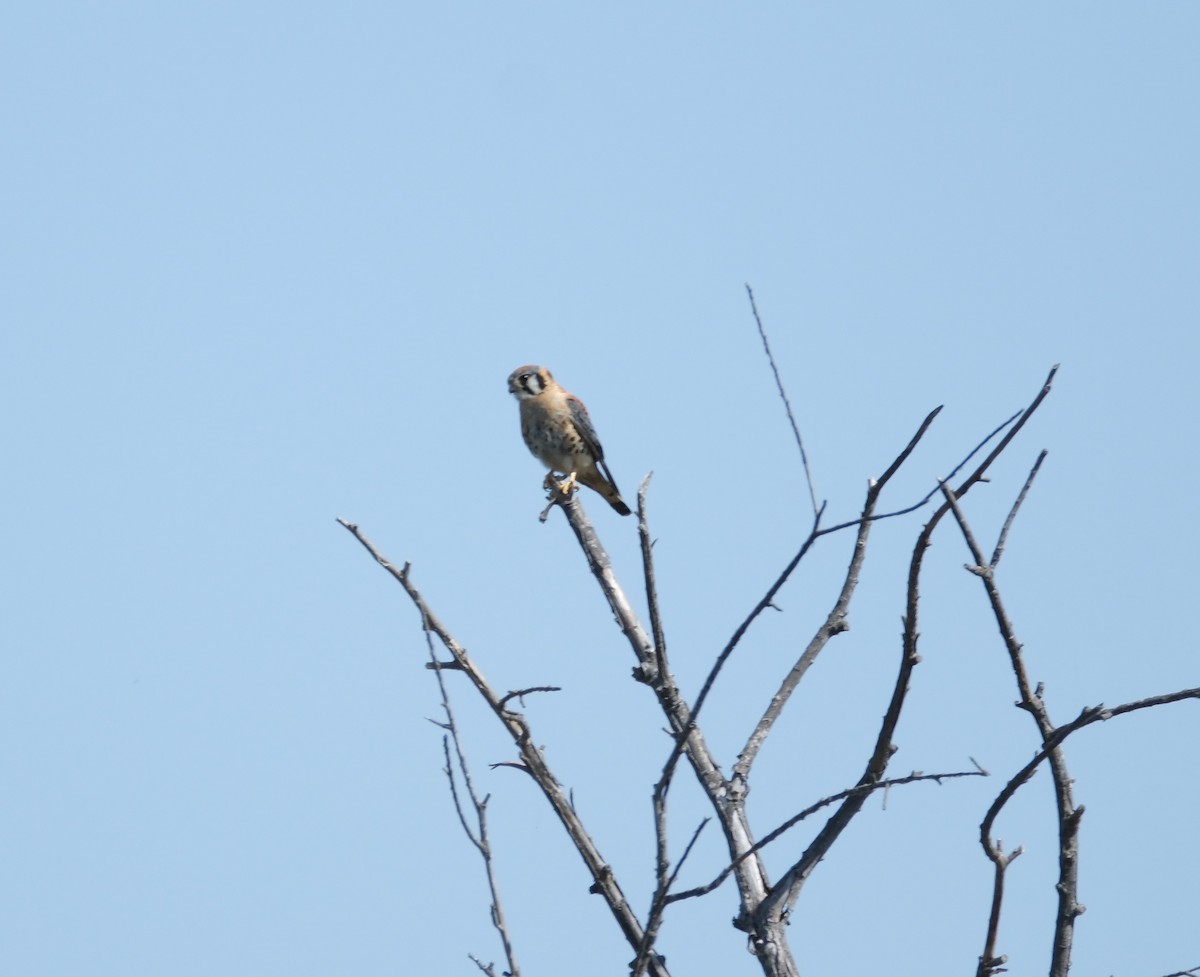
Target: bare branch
column 448, row 770
column 873, row 492
column 981, row 566
column 762, row 333
column 786, row 891
column 1012, row 513
column 662, row 887
column 764, row 909
column 721, row 793
column 688, row 850
column 601, row 567
column 989, row 963
column 448, row 666
column 647, row 546
column 834, row 623
column 1069, row 907
column 489, row 969
column 401, row 575
column 520, row 694
column 933, row 491
column 659, row 798
column 974, row 451
column 1088, row 716
column 791, row 822
column 994, row 851
column 478, row 836
column 995, row 453
column 765, row 602
column 770, row 937
column 604, row 881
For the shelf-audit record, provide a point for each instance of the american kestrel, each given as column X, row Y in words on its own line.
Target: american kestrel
column 558, row 431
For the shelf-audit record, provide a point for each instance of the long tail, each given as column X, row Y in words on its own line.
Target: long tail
column 606, row 487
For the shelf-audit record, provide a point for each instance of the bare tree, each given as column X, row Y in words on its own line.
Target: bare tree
column 766, row 897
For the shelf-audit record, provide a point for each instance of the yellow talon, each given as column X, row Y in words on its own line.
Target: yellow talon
column 570, row 483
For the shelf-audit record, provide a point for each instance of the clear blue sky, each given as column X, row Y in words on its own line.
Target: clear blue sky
column 266, row 264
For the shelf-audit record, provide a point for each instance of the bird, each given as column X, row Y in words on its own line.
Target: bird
column 557, row 429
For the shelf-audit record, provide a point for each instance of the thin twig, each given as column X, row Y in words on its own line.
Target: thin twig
column 448, row 770
column 924, row 500
column 661, row 889
column 687, row 851
column 479, row 835
column 873, row 492
column 1012, row 513
column 489, row 969
column 787, row 406
column 1088, row 716
column 860, row 789
column 521, row 693
column 979, row 447
column 835, row 620
column 767, row 600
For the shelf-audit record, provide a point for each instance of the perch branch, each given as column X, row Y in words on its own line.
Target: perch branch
column 770, row 942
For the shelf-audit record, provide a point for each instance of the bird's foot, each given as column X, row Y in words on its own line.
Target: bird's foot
column 552, row 484
column 568, row 484
column 560, row 492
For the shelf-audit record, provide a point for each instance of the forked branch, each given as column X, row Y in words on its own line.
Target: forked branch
column 456, row 769
column 1069, row 815
column 834, row 623
column 786, row 891
column 604, row 881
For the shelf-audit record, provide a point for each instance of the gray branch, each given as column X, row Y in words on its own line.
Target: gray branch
column 604, row 881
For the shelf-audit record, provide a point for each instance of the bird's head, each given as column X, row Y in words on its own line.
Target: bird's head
column 528, row 381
